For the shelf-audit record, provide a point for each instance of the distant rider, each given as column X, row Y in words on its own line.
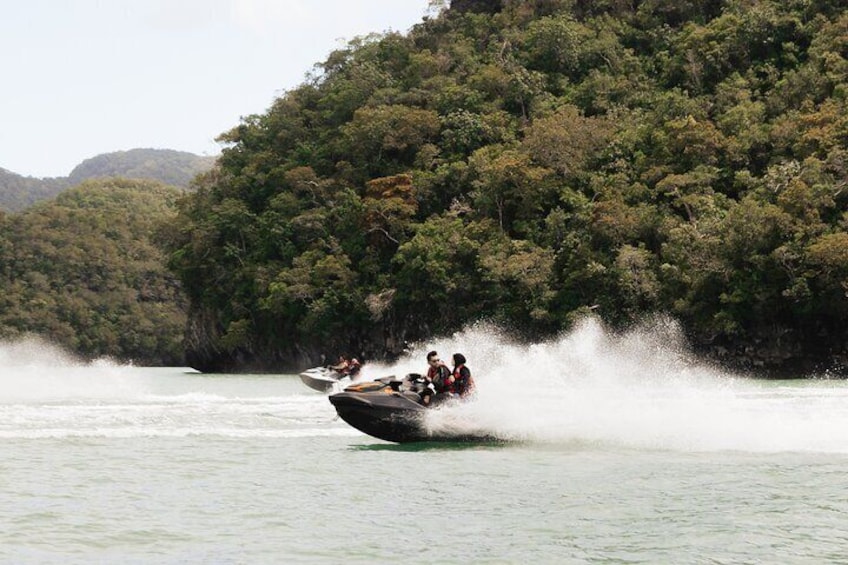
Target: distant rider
column 342, row 367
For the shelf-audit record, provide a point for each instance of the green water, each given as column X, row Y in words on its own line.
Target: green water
column 112, row 464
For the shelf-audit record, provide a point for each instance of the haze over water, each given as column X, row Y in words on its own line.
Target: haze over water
column 619, row 448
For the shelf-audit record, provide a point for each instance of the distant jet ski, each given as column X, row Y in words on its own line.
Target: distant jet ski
column 323, row 379
column 391, row 409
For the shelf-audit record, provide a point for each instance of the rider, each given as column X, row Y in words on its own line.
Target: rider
column 343, row 366
column 463, row 384
column 439, row 376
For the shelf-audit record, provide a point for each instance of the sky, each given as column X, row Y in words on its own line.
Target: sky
column 85, row 77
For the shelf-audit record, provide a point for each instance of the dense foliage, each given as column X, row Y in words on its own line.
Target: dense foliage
column 532, row 164
column 83, row 270
column 18, row 192
column 176, row 168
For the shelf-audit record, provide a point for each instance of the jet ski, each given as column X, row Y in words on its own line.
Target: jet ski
column 323, row 379
column 392, row 409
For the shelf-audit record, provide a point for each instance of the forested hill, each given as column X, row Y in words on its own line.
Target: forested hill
column 531, row 161
column 176, row 168
column 17, row 192
column 82, row 270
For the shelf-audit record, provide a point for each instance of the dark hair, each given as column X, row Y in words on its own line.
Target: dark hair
column 431, row 355
column 458, row 359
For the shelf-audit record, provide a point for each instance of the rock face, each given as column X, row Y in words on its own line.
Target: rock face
column 780, row 354
column 385, row 340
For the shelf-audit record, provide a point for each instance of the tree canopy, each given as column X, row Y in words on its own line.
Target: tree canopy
column 84, row 270
column 529, row 161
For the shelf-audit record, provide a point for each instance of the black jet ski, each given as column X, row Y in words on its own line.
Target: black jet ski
column 392, row 409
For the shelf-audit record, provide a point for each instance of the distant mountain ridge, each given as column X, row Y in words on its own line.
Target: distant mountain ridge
column 18, row 192
column 175, row 168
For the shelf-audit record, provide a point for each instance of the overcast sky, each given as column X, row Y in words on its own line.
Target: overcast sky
column 84, row 77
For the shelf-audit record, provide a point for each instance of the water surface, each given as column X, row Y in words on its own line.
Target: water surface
column 618, row 449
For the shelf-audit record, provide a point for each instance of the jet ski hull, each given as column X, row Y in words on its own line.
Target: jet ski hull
column 391, row 410
column 322, row 379
column 390, row 417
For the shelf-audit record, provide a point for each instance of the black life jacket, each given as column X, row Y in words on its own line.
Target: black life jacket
column 439, row 375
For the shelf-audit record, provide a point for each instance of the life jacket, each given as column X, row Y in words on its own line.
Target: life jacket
column 440, row 375
column 463, row 384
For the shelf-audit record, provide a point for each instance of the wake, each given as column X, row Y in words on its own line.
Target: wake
column 642, row 389
column 32, row 369
column 590, row 388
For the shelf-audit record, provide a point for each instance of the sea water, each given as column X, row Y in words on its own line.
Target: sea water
column 616, row 449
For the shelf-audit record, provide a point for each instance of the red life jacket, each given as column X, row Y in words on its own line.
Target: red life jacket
column 463, row 384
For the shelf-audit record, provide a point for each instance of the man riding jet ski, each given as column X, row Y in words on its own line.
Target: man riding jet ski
column 325, row 379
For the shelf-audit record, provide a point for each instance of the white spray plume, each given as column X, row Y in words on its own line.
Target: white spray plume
column 641, row 389
column 33, row 369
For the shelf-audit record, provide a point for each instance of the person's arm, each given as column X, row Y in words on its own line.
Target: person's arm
column 447, row 377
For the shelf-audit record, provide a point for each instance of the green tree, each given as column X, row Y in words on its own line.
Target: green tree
column 84, row 272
